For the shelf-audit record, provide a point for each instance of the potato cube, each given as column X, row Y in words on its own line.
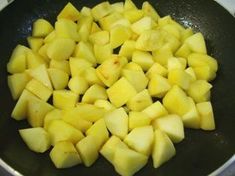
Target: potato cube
column 128, row 162
column 94, row 93
column 128, row 4
column 172, row 29
column 95, row 28
column 62, row 131
column 184, row 51
column 59, row 78
column 88, row 150
column 179, row 77
column 163, row 148
column 118, row 7
column 192, row 74
column 121, row 92
column 17, row 83
column 64, row 99
column 64, row 155
column 65, row 28
column 36, row 111
column 61, row 48
column 196, row 43
column 109, row 148
column 141, row 139
column 204, row 73
column 34, row 60
column 117, row 122
column 156, row 68
column 69, row 12
column 103, row 52
column 39, row 89
column 78, row 66
column 207, row 116
column 62, row 65
column 99, row 131
column 200, row 91
column 78, row 85
column 50, row 37
column 105, row 104
column 148, row 10
column 172, row 125
column 86, row 11
column 186, row 34
column 37, row 139
column 85, row 51
column 41, row 28
column 35, row 43
column 138, row 119
column 54, row 114
column 101, row 10
column 176, row 101
column 99, row 38
column 20, row 110
column 133, row 15
column 127, row 48
column 109, row 71
column 142, row 25
column 43, row 52
column 162, row 55
column 144, row 59
column 176, row 63
column 91, row 76
column 133, row 66
column 155, row 110
column 158, row 86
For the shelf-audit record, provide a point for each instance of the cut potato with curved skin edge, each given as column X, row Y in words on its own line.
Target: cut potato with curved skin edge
column 124, row 81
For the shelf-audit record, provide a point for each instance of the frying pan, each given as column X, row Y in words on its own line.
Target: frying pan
column 199, row 154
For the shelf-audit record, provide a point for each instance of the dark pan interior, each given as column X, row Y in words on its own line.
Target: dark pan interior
column 199, row 154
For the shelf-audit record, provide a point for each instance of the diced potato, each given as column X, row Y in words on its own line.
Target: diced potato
column 78, row 66
column 118, row 35
column 66, row 28
column 64, row 99
column 35, row 43
column 144, row 59
column 59, row 78
column 141, row 139
column 156, row 68
column 196, row 43
column 101, row 10
column 34, row 60
column 162, row 55
column 120, row 92
column 88, row 112
column 140, row 101
column 171, row 41
column 50, row 37
column 184, row 51
column 91, row 76
column 99, row 38
column 20, row 110
column 128, row 4
column 62, row 131
column 78, row 85
column 84, row 27
column 133, row 15
column 62, row 65
column 172, row 125
column 176, row 63
column 103, row 52
column 41, row 28
column 39, row 89
column 204, row 73
column 17, row 62
column 109, row 148
column 95, row 28
column 176, row 101
column 55, row 114
column 118, row 7
column 138, row 119
column 88, row 150
column 127, row 48
column 150, row 40
column 109, row 71
column 99, row 131
column 86, row 11
column 37, row 139
column 148, row 10
column 128, row 162
column 142, row 25
column 64, row 155
column 192, row 74
column 206, row 114
column 133, row 66
column 105, row 104
column 199, row 90
column 17, row 83
column 172, row 29
column 61, row 48
column 36, row 111
column 186, row 34
column 191, row 119
column 155, row 110
column 163, row 149
column 43, row 52
column 136, row 78
column 71, row 117
column 69, row 12
column 117, row 122
column 85, row 51
column 158, row 86
column 94, row 93
column 179, row 77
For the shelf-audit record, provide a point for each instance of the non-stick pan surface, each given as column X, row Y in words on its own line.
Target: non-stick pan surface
column 199, row 154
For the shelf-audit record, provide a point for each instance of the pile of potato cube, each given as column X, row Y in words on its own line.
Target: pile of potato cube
column 84, row 99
